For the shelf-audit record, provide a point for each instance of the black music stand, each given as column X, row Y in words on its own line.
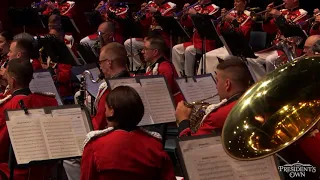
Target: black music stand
column 94, row 19
column 68, row 24
column 87, row 53
column 25, row 17
column 203, row 24
column 171, row 26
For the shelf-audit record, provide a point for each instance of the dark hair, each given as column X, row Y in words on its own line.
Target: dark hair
column 157, row 42
column 26, row 47
column 7, row 35
column 21, row 70
column 237, row 71
column 127, row 105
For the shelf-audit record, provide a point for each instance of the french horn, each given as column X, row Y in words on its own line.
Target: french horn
column 275, row 112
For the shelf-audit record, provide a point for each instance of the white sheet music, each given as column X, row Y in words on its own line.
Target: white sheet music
column 147, row 119
column 43, row 82
column 78, row 122
column 208, row 87
column 121, row 81
column 33, row 113
column 206, row 159
column 161, row 105
column 60, row 138
column 190, row 89
column 27, row 140
column 92, row 88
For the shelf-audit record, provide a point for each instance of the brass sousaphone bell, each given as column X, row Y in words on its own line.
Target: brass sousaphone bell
column 275, row 112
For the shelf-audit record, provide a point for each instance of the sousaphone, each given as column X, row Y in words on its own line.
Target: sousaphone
column 275, row 112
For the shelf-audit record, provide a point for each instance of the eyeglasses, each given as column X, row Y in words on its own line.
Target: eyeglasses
column 145, row 49
column 100, row 62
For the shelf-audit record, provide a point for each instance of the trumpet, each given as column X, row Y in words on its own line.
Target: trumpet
column 37, row 5
column 255, row 15
column 222, row 16
column 176, row 15
column 198, row 111
column 136, row 16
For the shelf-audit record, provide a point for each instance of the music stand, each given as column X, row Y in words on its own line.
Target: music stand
column 171, row 26
column 87, row 53
column 25, row 17
column 203, row 24
column 94, row 19
column 68, row 24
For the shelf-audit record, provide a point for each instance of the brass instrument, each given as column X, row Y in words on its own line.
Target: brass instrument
column 138, row 15
column 83, row 85
column 198, row 111
column 223, row 16
column 275, row 112
column 177, row 15
column 254, row 15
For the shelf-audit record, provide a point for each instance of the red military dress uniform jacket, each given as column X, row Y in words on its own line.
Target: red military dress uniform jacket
column 120, row 154
column 315, row 29
column 99, row 121
column 65, row 9
column 31, row 100
column 165, row 68
column 211, row 10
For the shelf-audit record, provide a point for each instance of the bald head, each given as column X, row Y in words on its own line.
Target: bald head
column 107, row 30
column 309, row 43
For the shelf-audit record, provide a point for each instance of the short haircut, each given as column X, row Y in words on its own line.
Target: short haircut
column 7, row 35
column 26, row 47
column 21, row 70
column 108, row 25
column 54, row 22
column 115, row 52
column 127, row 106
column 237, row 71
column 157, row 42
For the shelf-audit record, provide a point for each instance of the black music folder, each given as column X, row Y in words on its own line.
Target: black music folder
column 68, row 24
column 159, row 107
column 87, row 53
column 94, row 19
column 26, row 17
column 203, row 157
column 171, row 26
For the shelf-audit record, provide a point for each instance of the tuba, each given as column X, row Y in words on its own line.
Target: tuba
column 198, row 111
column 275, row 112
column 83, row 85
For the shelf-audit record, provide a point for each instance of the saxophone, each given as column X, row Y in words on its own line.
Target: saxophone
column 198, row 111
column 83, row 85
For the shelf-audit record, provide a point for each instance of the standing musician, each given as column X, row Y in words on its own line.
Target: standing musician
column 153, row 53
column 184, row 55
column 233, row 79
column 112, row 13
column 155, row 7
column 19, row 75
column 64, row 9
column 238, row 20
column 292, row 13
column 315, row 27
column 123, row 150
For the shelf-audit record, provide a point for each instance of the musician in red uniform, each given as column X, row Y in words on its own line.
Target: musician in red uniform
column 153, row 53
column 315, row 27
column 292, row 13
column 5, row 41
column 124, row 151
column 65, row 9
column 19, row 74
column 238, row 19
column 233, row 79
column 110, row 13
column 184, row 55
column 153, row 8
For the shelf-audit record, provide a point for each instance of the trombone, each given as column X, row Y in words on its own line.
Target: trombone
column 255, row 15
column 177, row 15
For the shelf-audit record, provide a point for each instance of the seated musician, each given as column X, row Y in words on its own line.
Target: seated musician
column 64, row 9
column 233, row 79
column 238, row 20
column 109, row 13
column 292, row 13
column 107, row 30
column 184, row 55
column 125, row 151
column 19, row 74
column 147, row 20
column 154, row 54
column 315, row 26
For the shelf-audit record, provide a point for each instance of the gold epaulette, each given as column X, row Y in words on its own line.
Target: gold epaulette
column 6, row 99
column 50, row 94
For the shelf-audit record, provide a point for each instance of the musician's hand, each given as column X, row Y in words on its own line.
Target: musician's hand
column 44, row 66
column 143, row 5
column 186, row 5
column 229, row 18
column 192, row 11
column 275, row 13
column 223, row 11
column 313, row 133
column 182, row 112
column 100, row 5
column 152, row 9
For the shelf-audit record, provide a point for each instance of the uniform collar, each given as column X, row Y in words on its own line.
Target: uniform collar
column 23, row 91
column 123, row 73
column 293, row 9
column 160, row 60
column 206, row 4
column 235, row 97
